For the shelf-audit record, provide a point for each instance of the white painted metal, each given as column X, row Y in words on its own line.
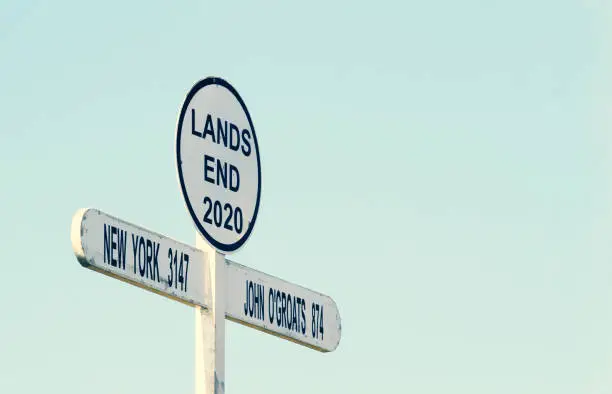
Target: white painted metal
column 216, row 286
column 282, row 308
column 219, row 171
column 210, row 326
column 218, row 164
column 130, row 253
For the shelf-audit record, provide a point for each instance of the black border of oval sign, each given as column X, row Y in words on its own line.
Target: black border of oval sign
column 200, row 85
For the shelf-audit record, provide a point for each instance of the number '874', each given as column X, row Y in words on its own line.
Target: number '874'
column 224, row 216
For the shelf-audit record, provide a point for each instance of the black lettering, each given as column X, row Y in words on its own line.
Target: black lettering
column 171, row 273
column 246, row 142
column 107, row 244
column 284, row 313
column 321, row 323
column 208, row 168
column 234, row 177
column 234, row 142
column 155, row 272
column 278, row 308
column 251, row 298
column 238, row 220
column 208, row 201
column 209, row 128
column 122, row 248
column 303, row 317
column 257, row 294
column 186, row 269
column 296, row 313
column 313, row 327
column 294, row 325
column 221, row 131
column 228, row 218
column 217, row 213
column 193, row 128
column 222, row 173
column 261, row 311
column 149, row 267
column 270, row 305
column 113, row 245
column 256, row 300
column 142, row 256
column 135, row 248
column 289, row 310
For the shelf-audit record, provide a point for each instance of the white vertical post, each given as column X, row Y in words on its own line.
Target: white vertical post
column 210, row 326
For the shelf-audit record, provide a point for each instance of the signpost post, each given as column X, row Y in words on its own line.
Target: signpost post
column 219, row 173
column 210, row 327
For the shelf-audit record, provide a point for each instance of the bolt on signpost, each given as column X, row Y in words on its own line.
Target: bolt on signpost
column 219, row 172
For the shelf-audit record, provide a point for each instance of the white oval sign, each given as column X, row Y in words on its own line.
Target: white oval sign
column 217, row 159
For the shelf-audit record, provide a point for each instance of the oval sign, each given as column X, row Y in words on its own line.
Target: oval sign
column 217, row 159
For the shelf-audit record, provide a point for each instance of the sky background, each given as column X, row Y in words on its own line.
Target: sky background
column 442, row 169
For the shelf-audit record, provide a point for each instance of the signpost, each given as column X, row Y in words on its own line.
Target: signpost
column 219, row 172
column 217, row 158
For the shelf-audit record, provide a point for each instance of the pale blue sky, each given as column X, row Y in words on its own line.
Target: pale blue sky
column 440, row 168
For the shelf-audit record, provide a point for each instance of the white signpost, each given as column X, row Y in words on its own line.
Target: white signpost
column 217, row 159
column 219, row 174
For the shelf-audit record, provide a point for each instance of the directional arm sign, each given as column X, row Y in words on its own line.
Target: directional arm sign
column 281, row 308
column 138, row 256
column 141, row 257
